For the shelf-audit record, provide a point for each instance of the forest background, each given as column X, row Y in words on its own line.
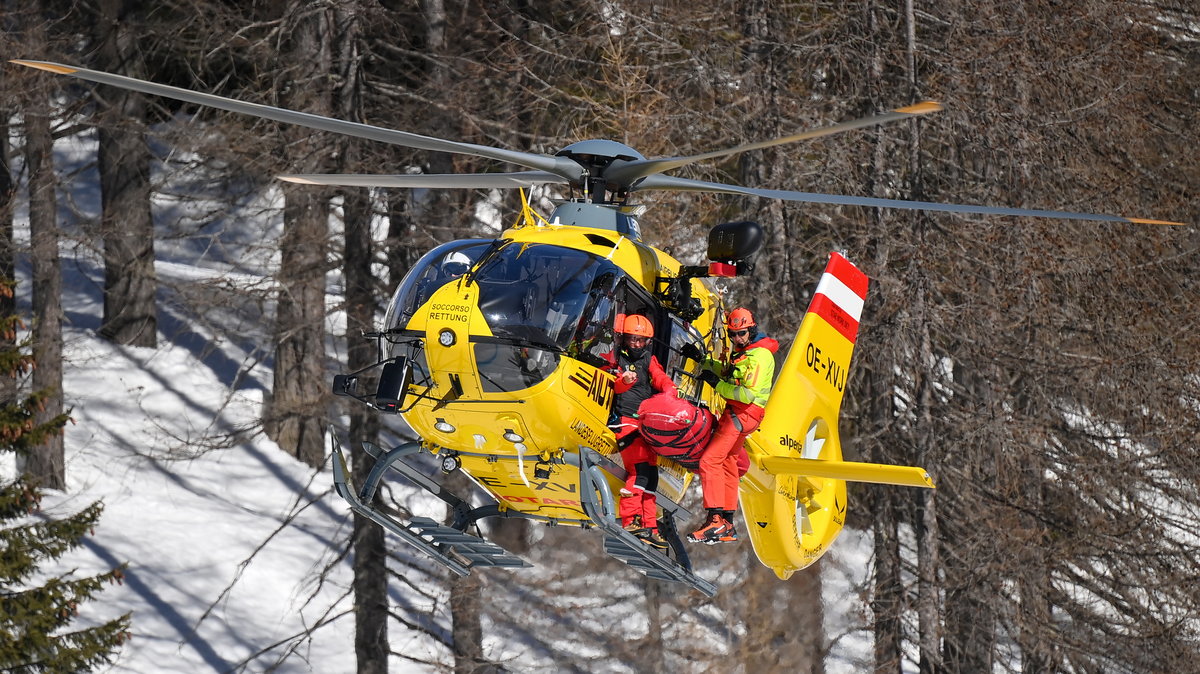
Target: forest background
column 1044, row 371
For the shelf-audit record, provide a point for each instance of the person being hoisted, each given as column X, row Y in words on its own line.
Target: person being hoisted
column 639, row 375
column 744, row 383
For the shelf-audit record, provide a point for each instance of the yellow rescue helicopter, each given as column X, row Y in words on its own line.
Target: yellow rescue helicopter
column 494, row 352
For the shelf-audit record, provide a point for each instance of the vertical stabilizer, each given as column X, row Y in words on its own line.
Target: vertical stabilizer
column 814, row 375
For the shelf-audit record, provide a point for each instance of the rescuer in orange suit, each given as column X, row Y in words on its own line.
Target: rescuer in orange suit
column 639, row 376
column 744, row 383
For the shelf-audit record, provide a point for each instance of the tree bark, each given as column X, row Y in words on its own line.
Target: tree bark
column 297, row 417
column 436, row 212
column 788, row 634
column 466, row 610
column 789, row 615
column 45, row 463
column 887, row 599
column 126, row 223
column 971, row 595
column 928, row 596
column 467, row 627
column 887, row 602
column 8, row 296
column 399, row 249
column 370, row 555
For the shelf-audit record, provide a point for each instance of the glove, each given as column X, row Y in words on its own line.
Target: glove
column 690, row 352
column 709, row 377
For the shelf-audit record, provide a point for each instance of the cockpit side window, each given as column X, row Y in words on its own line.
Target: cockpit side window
column 435, row 269
column 595, row 337
column 633, row 299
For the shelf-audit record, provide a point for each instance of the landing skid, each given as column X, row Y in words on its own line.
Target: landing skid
column 459, row 551
column 598, row 502
column 453, row 548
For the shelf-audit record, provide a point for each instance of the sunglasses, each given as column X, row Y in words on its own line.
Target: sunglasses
column 739, row 333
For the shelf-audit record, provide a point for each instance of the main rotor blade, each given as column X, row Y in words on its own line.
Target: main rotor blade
column 451, row 180
column 658, row 182
column 560, row 166
column 626, row 173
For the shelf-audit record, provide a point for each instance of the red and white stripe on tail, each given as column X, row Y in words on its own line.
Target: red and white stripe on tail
column 815, row 373
column 840, row 296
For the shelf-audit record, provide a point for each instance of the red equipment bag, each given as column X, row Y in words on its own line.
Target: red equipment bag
column 675, row 428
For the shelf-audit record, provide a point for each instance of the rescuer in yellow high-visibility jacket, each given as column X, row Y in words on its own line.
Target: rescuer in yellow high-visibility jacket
column 745, row 383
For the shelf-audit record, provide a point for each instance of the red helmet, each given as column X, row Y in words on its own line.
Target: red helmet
column 638, row 325
column 739, row 319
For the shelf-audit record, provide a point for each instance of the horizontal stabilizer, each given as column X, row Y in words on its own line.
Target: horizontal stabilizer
column 851, row 471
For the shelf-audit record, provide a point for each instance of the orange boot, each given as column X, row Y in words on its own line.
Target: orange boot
column 715, row 526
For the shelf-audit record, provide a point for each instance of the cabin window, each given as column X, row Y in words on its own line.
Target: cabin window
column 633, row 299
column 683, row 370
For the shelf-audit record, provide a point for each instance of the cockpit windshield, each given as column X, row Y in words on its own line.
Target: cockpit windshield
column 538, row 293
column 540, row 302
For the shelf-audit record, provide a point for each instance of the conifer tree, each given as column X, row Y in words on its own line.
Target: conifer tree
column 36, row 613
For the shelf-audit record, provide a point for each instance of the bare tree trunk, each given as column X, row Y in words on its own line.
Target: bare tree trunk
column 653, row 649
column 1037, row 632
column 370, row 555
column 789, row 616
column 787, row 634
column 887, row 599
column 928, row 596
column 767, row 284
column 970, row 583
column 928, row 585
column 8, row 297
column 126, row 224
column 436, row 210
column 297, row 407
column 466, row 628
column 399, row 249
column 969, row 637
column 297, row 416
column 45, row 464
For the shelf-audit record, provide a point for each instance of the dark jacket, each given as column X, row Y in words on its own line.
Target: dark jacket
column 651, row 379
